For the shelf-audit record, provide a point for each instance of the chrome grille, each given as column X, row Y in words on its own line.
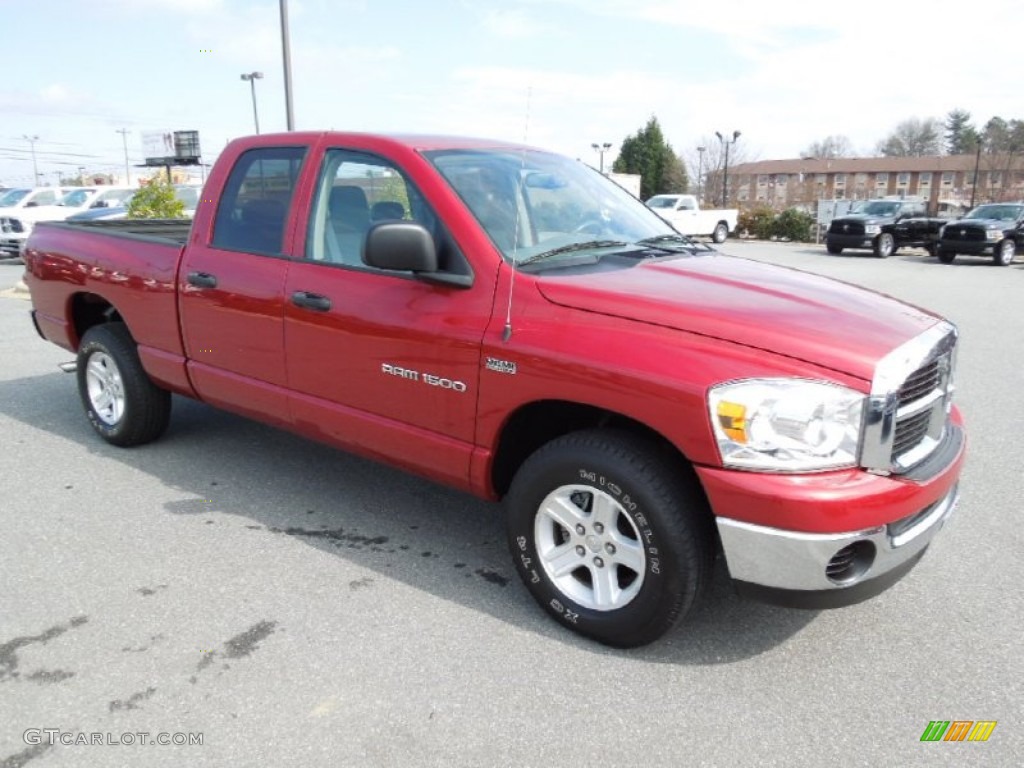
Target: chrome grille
column 908, row 409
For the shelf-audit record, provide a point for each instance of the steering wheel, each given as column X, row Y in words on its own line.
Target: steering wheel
column 590, row 227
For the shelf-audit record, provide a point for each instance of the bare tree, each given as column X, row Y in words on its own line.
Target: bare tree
column 829, row 147
column 914, row 138
column 711, row 163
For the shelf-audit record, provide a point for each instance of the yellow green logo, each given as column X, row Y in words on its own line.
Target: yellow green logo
column 958, row 730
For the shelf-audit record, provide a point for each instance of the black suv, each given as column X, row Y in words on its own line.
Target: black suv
column 995, row 229
column 873, row 227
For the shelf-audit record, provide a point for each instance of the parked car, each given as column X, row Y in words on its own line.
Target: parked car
column 21, row 208
column 995, row 230
column 874, row 228
column 505, row 321
column 685, row 214
column 188, row 194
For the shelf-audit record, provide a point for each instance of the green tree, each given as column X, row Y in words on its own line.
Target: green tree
column 961, row 137
column 913, row 138
column 156, row 200
column 648, row 154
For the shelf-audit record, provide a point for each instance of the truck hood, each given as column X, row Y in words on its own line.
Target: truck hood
column 863, row 218
column 980, row 224
column 780, row 310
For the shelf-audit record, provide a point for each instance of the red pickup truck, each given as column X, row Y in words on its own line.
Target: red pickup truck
column 510, row 322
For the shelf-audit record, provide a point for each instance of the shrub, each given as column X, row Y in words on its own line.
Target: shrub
column 793, row 225
column 756, row 222
column 156, row 200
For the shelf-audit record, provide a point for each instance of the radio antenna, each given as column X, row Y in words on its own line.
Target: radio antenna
column 507, row 333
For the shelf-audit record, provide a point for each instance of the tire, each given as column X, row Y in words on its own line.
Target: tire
column 720, row 233
column 885, row 245
column 123, row 405
column 832, row 248
column 931, row 248
column 947, row 257
column 609, row 536
column 1003, row 255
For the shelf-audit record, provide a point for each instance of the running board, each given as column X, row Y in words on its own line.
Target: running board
column 68, row 367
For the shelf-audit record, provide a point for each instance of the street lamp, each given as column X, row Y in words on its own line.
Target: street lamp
column 32, row 143
column 252, row 77
column 124, row 140
column 601, row 149
column 700, row 170
column 81, row 175
column 725, row 174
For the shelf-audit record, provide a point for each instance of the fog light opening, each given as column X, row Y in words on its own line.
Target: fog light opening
column 850, row 563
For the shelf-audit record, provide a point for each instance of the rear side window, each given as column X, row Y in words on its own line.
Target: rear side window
column 255, row 202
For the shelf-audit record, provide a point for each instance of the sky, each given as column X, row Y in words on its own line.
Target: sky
column 557, row 74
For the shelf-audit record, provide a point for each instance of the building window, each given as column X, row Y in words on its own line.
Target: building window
column 762, row 180
column 840, row 180
column 862, row 179
column 902, row 179
column 947, row 178
column 820, row 179
column 881, row 179
column 924, row 179
column 781, row 179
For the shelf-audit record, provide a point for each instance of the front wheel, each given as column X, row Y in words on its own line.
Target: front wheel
column 123, row 405
column 721, row 232
column 834, row 249
column 1004, row 254
column 947, row 257
column 609, row 537
column 885, row 245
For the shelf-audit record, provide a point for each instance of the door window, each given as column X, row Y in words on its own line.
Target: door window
column 255, row 202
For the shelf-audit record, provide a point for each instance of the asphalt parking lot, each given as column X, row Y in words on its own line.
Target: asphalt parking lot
column 298, row 606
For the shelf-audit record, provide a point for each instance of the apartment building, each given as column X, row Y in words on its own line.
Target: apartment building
column 951, row 179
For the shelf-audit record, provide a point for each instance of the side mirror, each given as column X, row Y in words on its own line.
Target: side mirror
column 400, row 245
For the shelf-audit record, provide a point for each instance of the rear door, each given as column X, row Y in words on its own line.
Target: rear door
column 231, row 288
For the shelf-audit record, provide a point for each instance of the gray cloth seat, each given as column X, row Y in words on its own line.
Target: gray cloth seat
column 348, row 221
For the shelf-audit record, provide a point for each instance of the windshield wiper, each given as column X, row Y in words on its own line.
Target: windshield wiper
column 572, row 247
column 659, row 241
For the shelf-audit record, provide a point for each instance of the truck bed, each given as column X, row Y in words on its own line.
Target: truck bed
column 174, row 231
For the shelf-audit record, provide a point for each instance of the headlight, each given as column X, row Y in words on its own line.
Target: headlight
column 786, row 425
column 994, row 234
column 872, row 229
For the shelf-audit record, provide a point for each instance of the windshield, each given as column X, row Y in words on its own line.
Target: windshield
column 998, row 212
column 112, row 198
column 12, row 197
column 662, row 201
column 880, row 208
column 533, row 203
column 77, row 198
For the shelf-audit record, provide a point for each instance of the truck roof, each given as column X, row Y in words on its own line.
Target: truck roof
column 419, row 142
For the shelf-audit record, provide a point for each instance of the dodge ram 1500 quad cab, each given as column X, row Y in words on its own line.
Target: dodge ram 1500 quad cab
column 511, row 323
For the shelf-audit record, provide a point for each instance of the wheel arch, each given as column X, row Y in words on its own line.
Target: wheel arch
column 534, row 424
column 87, row 310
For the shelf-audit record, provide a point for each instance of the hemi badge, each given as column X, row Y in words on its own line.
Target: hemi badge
column 501, row 366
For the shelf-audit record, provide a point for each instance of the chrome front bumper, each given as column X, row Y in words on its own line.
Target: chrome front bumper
column 792, row 568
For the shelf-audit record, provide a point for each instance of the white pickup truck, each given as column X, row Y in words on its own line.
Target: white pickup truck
column 684, row 213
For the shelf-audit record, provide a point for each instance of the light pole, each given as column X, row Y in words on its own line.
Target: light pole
column 124, row 139
column 601, row 149
column 286, row 58
column 252, row 77
column 977, row 162
column 32, row 143
column 81, row 175
column 700, row 170
column 725, row 174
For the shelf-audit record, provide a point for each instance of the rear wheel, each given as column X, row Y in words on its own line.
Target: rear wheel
column 1004, row 254
column 947, row 257
column 885, row 245
column 608, row 537
column 123, row 405
column 721, row 232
